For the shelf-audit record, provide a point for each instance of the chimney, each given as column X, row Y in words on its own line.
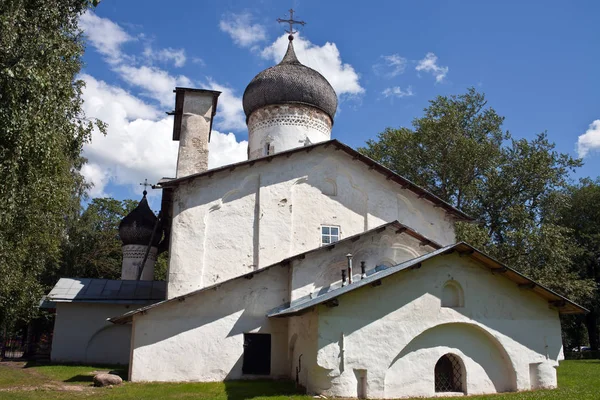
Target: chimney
column 363, row 270
column 349, row 256
column 194, row 112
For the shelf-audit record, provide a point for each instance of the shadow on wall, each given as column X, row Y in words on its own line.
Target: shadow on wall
column 109, row 344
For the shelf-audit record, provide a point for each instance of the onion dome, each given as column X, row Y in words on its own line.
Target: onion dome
column 290, row 82
column 137, row 226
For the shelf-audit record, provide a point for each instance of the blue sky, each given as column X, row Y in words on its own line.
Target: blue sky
column 536, row 61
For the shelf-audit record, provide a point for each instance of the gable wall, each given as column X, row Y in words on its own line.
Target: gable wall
column 238, row 221
column 508, row 338
column 322, row 270
column 202, row 337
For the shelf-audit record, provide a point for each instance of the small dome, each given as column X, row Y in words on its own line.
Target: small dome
column 290, row 82
column 137, row 226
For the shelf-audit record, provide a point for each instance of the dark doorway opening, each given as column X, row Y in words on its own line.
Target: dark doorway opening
column 448, row 374
column 257, row 354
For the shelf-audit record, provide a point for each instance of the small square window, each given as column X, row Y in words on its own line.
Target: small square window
column 330, row 234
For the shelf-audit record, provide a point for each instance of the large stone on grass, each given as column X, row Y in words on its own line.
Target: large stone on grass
column 107, row 380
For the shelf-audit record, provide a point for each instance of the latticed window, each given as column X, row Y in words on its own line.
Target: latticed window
column 448, row 374
column 329, row 234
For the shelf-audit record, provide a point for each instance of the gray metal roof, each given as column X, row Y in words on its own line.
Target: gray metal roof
column 86, row 290
column 563, row 304
column 290, row 82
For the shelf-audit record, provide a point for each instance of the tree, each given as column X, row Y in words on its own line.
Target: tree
column 43, row 129
column 92, row 247
column 578, row 210
column 459, row 151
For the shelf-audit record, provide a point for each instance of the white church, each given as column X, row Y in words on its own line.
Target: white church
column 309, row 262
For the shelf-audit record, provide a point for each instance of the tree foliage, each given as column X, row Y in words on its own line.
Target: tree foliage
column 577, row 208
column 42, row 131
column 92, row 247
column 459, row 151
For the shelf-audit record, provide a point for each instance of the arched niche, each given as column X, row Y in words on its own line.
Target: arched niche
column 487, row 366
column 452, row 295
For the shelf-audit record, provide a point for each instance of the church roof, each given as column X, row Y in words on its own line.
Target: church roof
column 564, row 305
column 87, row 290
column 397, row 226
column 335, row 145
column 290, row 82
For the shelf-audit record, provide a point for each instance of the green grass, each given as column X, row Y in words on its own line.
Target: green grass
column 578, row 380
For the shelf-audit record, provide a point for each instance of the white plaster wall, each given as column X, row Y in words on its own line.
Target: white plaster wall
column 322, row 270
column 201, row 338
column 82, row 334
column 286, row 127
column 302, row 346
column 396, row 332
column 235, row 222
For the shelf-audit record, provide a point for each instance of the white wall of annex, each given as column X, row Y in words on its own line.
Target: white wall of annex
column 396, row 332
column 202, row 337
column 83, row 335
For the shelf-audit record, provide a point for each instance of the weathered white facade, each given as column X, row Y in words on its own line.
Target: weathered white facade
column 278, row 208
column 508, row 339
column 381, row 340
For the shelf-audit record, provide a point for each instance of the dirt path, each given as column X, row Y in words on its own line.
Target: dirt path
column 44, row 381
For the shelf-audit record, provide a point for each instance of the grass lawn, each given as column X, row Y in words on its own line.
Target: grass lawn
column 577, row 380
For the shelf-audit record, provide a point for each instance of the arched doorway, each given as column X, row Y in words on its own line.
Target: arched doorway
column 449, row 373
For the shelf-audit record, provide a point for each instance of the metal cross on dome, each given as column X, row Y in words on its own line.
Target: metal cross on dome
column 145, row 185
column 291, row 21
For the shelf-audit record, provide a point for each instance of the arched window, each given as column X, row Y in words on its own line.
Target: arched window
column 452, row 295
column 449, row 374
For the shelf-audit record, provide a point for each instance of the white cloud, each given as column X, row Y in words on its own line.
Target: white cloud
column 177, row 56
column 106, row 36
column 590, row 140
column 139, row 142
column 326, row 59
column 396, row 91
column 230, row 111
column 156, row 83
column 391, row 66
column 429, row 64
column 241, row 29
column 224, row 149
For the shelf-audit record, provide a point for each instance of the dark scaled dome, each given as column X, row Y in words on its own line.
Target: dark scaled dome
column 290, row 82
column 137, row 226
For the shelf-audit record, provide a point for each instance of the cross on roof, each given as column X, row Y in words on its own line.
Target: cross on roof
column 291, row 21
column 145, row 185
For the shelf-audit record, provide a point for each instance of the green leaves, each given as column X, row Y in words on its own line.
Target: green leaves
column 42, row 132
column 459, row 151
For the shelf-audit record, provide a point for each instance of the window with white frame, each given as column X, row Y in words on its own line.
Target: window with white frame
column 329, row 234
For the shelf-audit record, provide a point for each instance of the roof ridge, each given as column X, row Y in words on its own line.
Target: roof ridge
column 356, row 155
